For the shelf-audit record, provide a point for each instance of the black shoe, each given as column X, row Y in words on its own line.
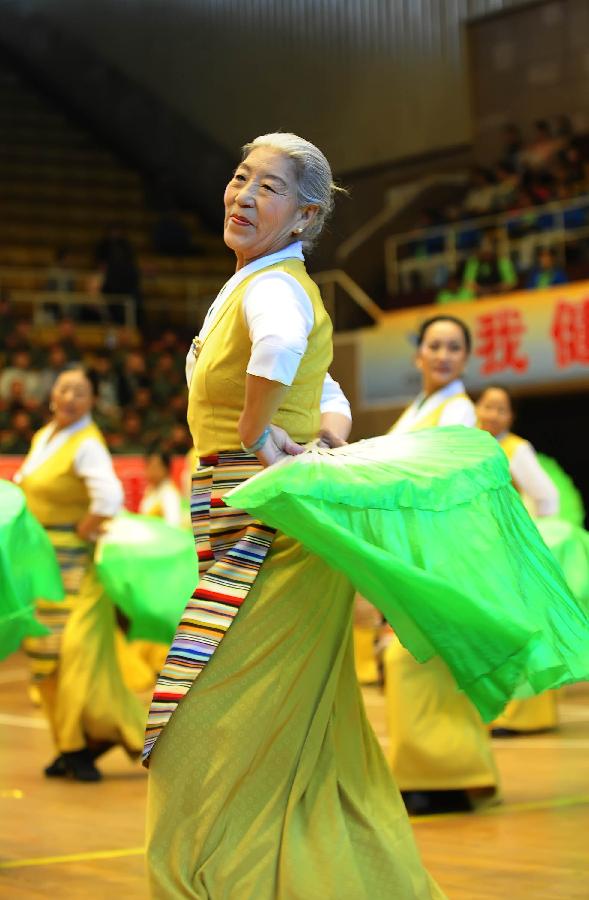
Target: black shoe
column 505, row 732
column 100, row 749
column 80, row 766
column 429, row 803
column 57, row 769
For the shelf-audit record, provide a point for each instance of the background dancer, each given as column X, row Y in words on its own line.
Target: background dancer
column 161, row 498
column 72, row 490
column 440, row 751
column 495, row 414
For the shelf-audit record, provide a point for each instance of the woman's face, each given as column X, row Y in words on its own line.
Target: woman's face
column 494, row 412
column 155, row 470
column 71, row 398
column 442, row 355
column 262, row 213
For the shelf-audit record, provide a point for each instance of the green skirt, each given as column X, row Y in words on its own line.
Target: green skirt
column 428, row 526
column 148, row 569
column 28, row 570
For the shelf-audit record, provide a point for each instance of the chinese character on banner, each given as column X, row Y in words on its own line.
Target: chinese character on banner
column 499, row 336
column 570, row 332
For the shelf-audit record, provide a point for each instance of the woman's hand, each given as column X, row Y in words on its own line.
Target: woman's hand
column 279, row 445
column 334, row 430
column 328, row 439
column 90, row 527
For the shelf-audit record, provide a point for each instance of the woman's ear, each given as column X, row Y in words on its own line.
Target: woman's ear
column 308, row 213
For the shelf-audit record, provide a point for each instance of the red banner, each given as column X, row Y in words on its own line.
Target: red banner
column 129, row 469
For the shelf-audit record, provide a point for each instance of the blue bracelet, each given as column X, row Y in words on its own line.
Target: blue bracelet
column 257, row 445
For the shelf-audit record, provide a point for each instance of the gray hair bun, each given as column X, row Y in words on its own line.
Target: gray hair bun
column 314, row 179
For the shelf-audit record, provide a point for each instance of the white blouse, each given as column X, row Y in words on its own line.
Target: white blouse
column 166, row 496
column 458, row 411
column 92, row 463
column 279, row 316
column 540, row 494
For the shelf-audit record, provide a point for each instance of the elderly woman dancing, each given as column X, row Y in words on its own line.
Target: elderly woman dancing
column 266, row 780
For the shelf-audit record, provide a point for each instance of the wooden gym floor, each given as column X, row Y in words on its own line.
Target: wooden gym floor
column 68, row 840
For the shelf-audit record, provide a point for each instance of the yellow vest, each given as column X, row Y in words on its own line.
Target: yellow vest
column 509, row 444
column 217, row 389
column 55, row 494
column 432, row 420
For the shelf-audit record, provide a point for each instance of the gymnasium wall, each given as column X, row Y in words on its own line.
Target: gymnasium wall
column 532, row 65
column 370, row 81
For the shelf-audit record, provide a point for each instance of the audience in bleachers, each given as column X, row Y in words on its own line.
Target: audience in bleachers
column 116, row 259
column 455, row 291
column 489, row 270
column 547, row 271
column 552, row 166
column 141, row 393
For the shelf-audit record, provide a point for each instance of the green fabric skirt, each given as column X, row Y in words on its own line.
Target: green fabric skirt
column 148, row 569
column 569, row 544
column 428, row 526
column 28, row 570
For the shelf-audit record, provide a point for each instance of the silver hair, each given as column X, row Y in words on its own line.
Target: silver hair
column 315, row 184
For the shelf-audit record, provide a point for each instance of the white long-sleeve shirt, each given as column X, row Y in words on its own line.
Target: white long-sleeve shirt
column 459, row 410
column 92, row 463
column 279, row 316
column 540, row 494
column 164, row 501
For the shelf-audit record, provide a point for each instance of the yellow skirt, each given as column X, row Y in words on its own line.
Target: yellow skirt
column 536, row 714
column 437, row 739
column 268, row 781
column 84, row 697
column 364, row 655
column 140, row 661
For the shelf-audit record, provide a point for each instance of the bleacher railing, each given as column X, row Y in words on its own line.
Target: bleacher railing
column 187, row 310
column 330, row 280
column 559, row 223
column 42, row 303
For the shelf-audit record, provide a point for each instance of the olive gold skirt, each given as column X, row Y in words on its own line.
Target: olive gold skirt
column 268, row 782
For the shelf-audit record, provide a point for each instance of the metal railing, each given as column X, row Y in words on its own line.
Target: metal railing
column 332, row 279
column 188, row 311
column 399, row 198
column 41, row 304
column 557, row 233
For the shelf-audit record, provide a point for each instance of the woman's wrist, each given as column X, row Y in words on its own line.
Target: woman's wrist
column 257, row 445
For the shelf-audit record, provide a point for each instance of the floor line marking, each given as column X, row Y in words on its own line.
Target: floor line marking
column 499, row 809
column 14, row 675
column 530, row 743
column 525, row 743
column 71, row 857
column 23, row 721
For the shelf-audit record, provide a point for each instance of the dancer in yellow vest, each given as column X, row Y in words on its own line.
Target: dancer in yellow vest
column 161, row 498
column 71, row 488
column 439, row 748
column 366, row 632
column 266, row 780
column 495, row 414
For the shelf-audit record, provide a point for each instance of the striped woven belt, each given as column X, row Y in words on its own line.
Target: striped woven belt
column 231, row 547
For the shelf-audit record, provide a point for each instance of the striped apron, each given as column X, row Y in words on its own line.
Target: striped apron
column 73, row 556
column 231, row 547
